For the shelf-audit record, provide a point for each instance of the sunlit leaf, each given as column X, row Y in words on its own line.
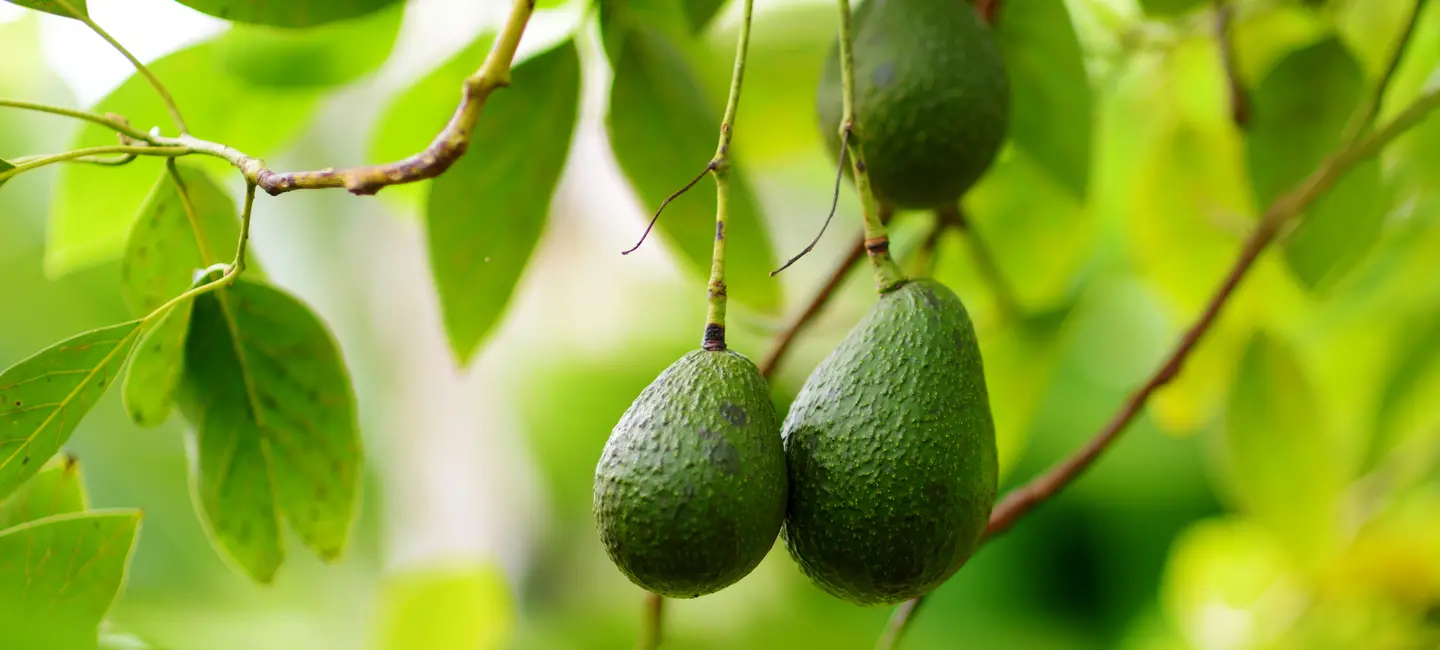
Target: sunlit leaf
column 1301, row 109
column 59, row 575
column 485, row 214
column 1228, row 583
column 335, row 54
column 1167, row 8
column 54, row 7
column 418, row 113
column 1279, row 454
column 56, row 490
column 296, row 13
column 1051, row 114
column 451, row 608
column 170, row 241
column 663, row 131
column 1408, row 388
column 94, row 205
column 276, row 430
column 44, row 397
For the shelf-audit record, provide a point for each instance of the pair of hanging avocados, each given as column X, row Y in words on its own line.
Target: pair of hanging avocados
column 884, row 471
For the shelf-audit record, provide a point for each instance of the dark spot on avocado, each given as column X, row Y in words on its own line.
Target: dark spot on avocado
column 733, row 414
column 882, row 75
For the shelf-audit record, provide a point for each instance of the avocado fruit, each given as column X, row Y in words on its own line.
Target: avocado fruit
column 690, row 488
column 932, row 99
column 891, row 451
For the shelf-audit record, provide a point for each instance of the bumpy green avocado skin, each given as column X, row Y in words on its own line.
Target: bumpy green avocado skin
column 690, row 489
column 932, row 98
column 891, row 451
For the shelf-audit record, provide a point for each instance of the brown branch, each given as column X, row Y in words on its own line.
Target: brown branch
column 1240, row 110
column 443, row 151
column 652, row 616
column 1287, row 207
column 989, row 10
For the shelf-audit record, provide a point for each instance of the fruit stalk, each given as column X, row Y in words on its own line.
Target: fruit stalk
column 877, row 241
column 720, row 169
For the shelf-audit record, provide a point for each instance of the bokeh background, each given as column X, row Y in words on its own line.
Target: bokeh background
column 1284, row 493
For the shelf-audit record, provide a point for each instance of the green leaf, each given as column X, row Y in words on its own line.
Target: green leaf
column 699, row 13
column 296, row 13
column 663, row 132
column 1052, row 110
column 1167, row 8
column 59, row 575
column 1407, row 388
column 56, row 490
column 5, row 166
column 1278, row 452
column 459, row 608
column 335, row 54
column 1301, row 110
column 485, row 215
column 155, row 369
column 275, row 422
column 53, row 7
column 44, row 397
column 413, row 118
column 94, row 205
column 170, row 241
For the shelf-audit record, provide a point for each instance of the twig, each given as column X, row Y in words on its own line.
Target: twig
column 710, row 166
column 1239, row 98
column 88, row 153
column 652, row 620
column 897, row 625
column 1287, row 207
column 160, row 89
column 834, row 203
column 877, row 242
column 1366, row 114
column 782, row 344
column 984, row 261
column 112, row 123
column 989, row 10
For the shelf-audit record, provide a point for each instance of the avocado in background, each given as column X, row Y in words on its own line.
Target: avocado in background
column 932, row 99
column 690, row 488
column 891, row 451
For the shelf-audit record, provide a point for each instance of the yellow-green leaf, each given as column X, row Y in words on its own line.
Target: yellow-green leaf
column 155, row 369
column 59, row 575
column 95, row 205
column 334, row 54
column 485, row 215
column 56, row 490
column 663, row 131
column 275, row 426
column 445, row 608
column 295, row 13
column 53, row 7
column 44, row 397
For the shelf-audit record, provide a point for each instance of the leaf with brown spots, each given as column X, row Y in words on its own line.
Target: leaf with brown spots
column 56, row 490
column 276, row 429
column 44, row 397
column 59, row 575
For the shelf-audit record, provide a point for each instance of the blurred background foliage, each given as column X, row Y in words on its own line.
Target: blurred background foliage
column 1282, row 494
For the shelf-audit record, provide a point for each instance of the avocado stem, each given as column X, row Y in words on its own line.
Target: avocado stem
column 888, row 276
column 719, row 167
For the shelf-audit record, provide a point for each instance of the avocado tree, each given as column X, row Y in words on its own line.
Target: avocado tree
column 1047, row 193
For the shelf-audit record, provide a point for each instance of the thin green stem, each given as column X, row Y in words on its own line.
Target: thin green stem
column 1365, row 115
column 232, row 271
column 139, row 67
column 88, row 153
column 1288, row 207
column 877, row 242
column 720, row 168
column 107, row 122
